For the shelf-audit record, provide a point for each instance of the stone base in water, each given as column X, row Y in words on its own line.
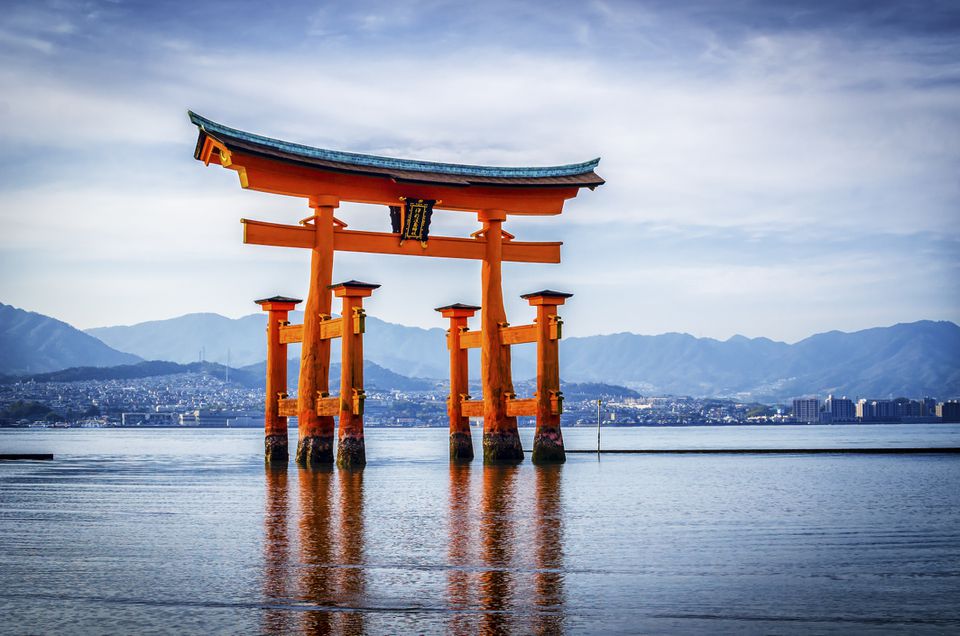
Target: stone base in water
column 548, row 447
column 351, row 453
column 315, row 450
column 502, row 448
column 461, row 446
column 275, row 449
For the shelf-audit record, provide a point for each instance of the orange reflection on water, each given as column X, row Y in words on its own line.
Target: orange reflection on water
column 276, row 547
column 460, row 553
column 548, row 550
column 504, row 569
column 349, row 575
column 497, row 548
column 315, row 587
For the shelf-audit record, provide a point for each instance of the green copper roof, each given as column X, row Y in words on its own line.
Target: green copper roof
column 372, row 161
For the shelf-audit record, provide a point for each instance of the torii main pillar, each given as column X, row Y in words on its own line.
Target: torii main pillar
column 501, row 439
column 315, row 431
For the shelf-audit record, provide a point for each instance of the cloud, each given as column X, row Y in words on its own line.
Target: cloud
column 749, row 151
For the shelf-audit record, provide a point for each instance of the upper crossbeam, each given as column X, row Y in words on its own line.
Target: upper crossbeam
column 276, row 234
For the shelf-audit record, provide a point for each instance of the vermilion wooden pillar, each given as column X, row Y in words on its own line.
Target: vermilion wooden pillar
column 275, row 425
column 501, row 440
column 547, row 440
column 315, row 444
column 350, row 446
column 461, row 443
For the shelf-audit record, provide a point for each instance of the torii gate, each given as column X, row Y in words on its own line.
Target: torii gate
column 325, row 178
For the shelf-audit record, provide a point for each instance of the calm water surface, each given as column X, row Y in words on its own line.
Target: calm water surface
column 172, row 531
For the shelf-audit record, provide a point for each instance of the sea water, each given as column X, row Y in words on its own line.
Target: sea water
column 186, row 531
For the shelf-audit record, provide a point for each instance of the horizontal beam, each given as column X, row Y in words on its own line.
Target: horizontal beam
column 263, row 233
column 522, row 408
column 269, row 175
column 279, row 235
column 471, row 408
column 325, row 406
column 291, row 333
column 518, row 335
column 443, row 247
column 332, row 328
column 288, row 407
column 328, row 406
column 471, row 339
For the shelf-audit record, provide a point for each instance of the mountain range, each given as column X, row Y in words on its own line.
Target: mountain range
column 34, row 343
column 253, row 376
column 913, row 359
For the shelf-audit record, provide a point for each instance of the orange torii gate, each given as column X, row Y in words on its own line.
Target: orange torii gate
column 325, row 178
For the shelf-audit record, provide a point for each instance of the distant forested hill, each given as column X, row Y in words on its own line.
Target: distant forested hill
column 34, row 343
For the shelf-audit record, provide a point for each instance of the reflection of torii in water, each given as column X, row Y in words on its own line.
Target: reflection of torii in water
column 325, row 178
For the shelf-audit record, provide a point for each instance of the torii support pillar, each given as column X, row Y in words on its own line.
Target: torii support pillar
column 501, row 439
column 461, row 443
column 351, row 452
column 547, row 440
column 274, row 424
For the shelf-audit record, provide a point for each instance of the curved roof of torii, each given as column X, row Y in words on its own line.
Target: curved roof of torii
column 400, row 170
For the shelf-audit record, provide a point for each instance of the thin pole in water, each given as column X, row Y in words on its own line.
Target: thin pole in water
column 598, row 426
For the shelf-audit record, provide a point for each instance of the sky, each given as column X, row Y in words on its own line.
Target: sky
column 773, row 169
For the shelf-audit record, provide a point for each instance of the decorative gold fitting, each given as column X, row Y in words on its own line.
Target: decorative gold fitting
column 359, row 320
column 358, row 397
column 556, row 402
column 284, row 323
column 323, row 394
column 556, row 327
column 281, row 395
column 464, row 397
column 324, row 317
column 509, row 396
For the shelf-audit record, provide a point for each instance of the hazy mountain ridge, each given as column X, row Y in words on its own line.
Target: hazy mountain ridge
column 412, row 351
column 34, row 343
column 185, row 339
column 913, row 359
column 253, row 376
